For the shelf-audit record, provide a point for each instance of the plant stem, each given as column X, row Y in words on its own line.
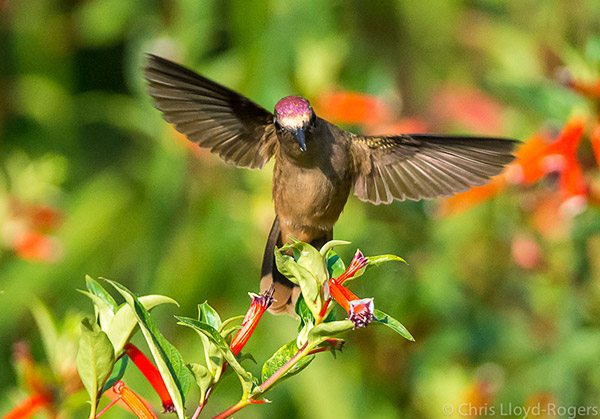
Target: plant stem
column 233, row 409
column 265, row 385
column 108, row 406
column 285, row 368
column 201, row 406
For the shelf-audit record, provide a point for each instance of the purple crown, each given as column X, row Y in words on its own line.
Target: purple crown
column 292, row 106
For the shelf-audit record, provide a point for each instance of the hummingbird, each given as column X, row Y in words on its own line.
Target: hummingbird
column 317, row 164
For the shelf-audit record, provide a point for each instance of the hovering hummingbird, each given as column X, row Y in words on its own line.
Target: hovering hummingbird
column 316, row 163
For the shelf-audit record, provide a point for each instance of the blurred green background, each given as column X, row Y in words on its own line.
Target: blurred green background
column 93, row 181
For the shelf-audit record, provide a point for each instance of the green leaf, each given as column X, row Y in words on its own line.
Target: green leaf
column 301, row 276
column 117, row 372
column 279, row 358
column 208, row 315
column 303, row 311
column 228, row 328
column 102, row 311
column 330, row 245
column 124, row 321
column 176, row 375
column 98, row 290
column 245, row 377
column 310, row 258
column 376, row 261
column 381, row 317
column 324, row 331
column 95, row 360
column 203, row 378
column 335, row 264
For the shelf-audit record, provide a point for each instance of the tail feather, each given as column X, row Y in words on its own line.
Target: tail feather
column 286, row 293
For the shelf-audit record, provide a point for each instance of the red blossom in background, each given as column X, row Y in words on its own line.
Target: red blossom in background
column 41, row 393
column 466, row 107
column 537, row 158
column 27, row 230
column 353, row 108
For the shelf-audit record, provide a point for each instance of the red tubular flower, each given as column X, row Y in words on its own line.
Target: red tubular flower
column 260, row 304
column 359, row 261
column 152, row 375
column 360, row 311
column 133, row 401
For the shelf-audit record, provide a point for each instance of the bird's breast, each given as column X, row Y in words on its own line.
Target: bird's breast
column 309, row 200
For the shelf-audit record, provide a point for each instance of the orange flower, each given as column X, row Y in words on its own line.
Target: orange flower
column 353, row 108
column 260, row 304
column 360, row 311
column 467, row 107
column 474, row 196
column 35, row 246
column 595, row 140
column 132, row 400
column 29, row 406
column 152, row 375
column 42, row 395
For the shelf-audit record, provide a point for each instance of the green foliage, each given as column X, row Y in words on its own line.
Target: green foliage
column 245, row 377
column 175, row 374
column 95, row 360
column 280, row 357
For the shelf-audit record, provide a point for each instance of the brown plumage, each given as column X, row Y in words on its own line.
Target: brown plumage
column 316, row 163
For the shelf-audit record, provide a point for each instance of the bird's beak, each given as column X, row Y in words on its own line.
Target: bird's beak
column 299, row 135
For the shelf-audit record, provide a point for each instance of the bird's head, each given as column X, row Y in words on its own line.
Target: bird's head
column 294, row 114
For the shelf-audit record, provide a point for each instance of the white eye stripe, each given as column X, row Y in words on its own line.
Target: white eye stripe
column 294, row 122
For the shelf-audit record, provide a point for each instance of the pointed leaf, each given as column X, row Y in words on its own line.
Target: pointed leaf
column 169, row 362
column 227, row 327
column 102, row 311
column 245, row 377
column 311, row 259
column 381, row 317
column 208, row 315
column 95, row 360
column 203, row 378
column 331, row 244
column 124, row 321
column 300, row 276
column 335, row 264
column 302, row 310
column 324, row 331
column 98, row 290
column 279, row 358
column 376, row 261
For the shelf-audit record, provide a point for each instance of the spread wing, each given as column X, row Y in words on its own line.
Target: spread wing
column 211, row 115
column 421, row 166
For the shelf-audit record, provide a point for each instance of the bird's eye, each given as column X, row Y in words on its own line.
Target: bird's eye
column 278, row 126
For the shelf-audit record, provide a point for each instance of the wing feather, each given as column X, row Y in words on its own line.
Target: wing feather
column 421, row 166
column 212, row 115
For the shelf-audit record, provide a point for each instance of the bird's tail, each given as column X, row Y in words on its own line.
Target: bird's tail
column 286, row 293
